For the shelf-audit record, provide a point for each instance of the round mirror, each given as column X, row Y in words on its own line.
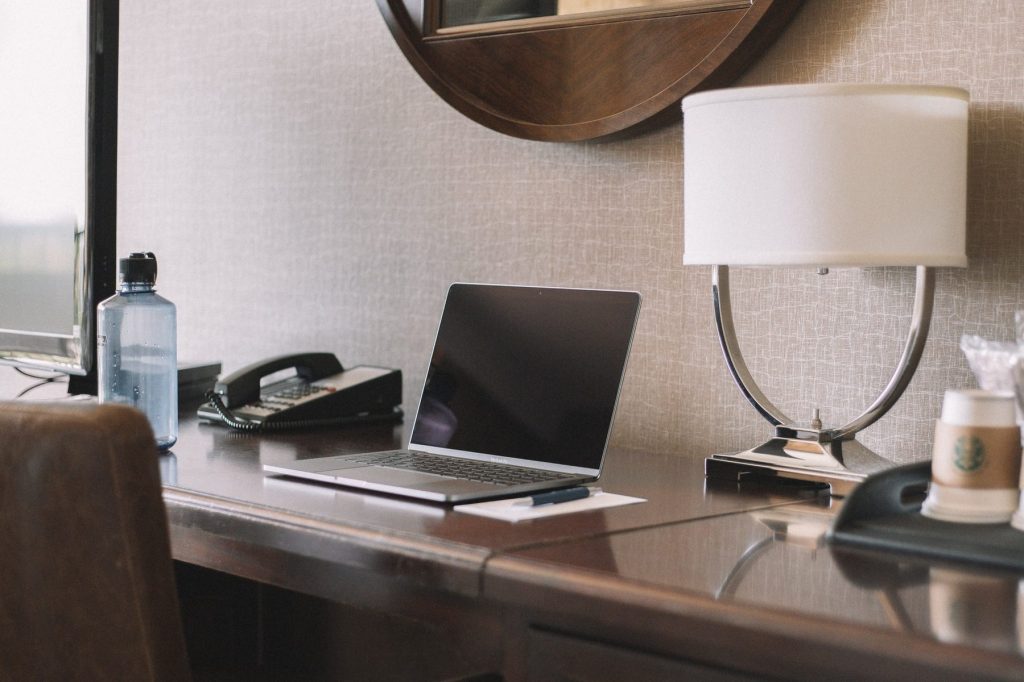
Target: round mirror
column 578, row 69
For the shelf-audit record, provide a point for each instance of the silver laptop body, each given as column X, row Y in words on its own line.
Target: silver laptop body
column 523, row 381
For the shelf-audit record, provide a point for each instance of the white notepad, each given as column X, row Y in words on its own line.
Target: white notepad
column 508, row 510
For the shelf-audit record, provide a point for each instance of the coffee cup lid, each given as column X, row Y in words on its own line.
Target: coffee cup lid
column 975, row 407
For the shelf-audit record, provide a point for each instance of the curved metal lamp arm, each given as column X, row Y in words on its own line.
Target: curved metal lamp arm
column 924, row 298
column 731, row 348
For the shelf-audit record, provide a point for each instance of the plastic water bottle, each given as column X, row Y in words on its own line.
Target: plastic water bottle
column 136, row 344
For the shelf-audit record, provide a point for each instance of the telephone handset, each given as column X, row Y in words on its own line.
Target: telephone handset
column 321, row 392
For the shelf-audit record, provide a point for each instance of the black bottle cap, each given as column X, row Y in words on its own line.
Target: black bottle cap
column 139, row 268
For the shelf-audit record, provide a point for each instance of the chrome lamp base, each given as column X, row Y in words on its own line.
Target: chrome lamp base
column 800, row 455
column 826, row 456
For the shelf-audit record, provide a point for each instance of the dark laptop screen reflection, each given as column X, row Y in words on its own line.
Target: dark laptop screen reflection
column 508, row 380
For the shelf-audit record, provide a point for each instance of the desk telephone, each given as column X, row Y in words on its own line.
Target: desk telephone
column 320, row 393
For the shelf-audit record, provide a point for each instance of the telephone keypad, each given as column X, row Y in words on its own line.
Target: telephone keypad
column 288, row 397
column 298, row 392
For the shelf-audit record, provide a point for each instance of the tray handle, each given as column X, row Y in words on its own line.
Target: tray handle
column 893, row 492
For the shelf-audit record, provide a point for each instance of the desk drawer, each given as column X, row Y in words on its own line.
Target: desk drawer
column 553, row 656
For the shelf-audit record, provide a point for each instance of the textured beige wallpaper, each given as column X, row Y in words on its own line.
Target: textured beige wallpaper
column 305, row 190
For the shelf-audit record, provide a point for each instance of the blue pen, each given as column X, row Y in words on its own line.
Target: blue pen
column 556, row 496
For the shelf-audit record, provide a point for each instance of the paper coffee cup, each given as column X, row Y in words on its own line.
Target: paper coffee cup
column 975, row 407
column 976, row 459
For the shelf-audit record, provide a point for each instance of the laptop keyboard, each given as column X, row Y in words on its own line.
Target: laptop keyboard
column 453, row 467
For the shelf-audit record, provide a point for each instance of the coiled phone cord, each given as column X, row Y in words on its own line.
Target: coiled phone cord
column 250, row 426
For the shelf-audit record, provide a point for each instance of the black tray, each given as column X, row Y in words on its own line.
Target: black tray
column 884, row 513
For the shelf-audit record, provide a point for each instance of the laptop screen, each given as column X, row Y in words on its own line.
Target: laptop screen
column 527, row 373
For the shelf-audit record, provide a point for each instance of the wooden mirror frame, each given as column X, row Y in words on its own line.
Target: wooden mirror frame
column 587, row 77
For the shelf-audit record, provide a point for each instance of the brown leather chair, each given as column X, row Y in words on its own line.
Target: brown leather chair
column 86, row 581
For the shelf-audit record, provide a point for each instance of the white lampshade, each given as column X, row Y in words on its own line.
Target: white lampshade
column 826, row 175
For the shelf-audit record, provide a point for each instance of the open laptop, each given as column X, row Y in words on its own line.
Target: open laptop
column 519, row 397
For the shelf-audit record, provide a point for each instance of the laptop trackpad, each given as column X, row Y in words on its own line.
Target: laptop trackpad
column 397, row 477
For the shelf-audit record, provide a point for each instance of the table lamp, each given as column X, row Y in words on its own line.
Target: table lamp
column 823, row 176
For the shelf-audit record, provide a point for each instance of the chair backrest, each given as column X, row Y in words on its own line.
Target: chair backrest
column 86, row 579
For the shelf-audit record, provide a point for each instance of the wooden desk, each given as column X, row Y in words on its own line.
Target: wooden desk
column 699, row 579
column 757, row 592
